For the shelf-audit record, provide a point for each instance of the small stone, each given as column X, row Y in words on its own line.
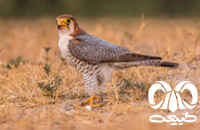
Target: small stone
column 88, row 107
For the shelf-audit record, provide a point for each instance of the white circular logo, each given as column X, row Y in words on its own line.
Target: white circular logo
column 172, row 99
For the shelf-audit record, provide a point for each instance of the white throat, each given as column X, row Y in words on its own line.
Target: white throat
column 63, row 43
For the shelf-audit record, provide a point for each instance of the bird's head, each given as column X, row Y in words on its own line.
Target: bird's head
column 67, row 25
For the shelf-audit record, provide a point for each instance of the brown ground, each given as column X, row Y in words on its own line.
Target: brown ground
column 25, row 105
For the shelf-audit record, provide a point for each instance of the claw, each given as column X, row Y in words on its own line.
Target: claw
column 90, row 101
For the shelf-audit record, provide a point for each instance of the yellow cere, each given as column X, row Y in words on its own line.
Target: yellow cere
column 60, row 22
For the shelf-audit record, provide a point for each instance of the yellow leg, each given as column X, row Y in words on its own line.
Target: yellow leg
column 90, row 101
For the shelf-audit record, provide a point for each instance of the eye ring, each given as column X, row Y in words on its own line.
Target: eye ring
column 68, row 21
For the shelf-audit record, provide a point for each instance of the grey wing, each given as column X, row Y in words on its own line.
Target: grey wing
column 95, row 50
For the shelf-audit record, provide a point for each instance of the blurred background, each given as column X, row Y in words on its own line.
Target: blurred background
column 96, row 8
column 32, row 24
column 38, row 90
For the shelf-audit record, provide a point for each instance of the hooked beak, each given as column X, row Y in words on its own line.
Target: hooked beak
column 61, row 24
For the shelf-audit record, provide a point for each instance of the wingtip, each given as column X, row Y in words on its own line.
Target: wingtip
column 169, row 64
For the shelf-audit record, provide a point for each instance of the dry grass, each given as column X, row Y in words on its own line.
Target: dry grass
column 25, row 105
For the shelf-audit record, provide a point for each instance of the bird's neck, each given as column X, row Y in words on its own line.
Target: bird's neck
column 73, row 33
column 64, row 42
column 78, row 32
column 64, row 38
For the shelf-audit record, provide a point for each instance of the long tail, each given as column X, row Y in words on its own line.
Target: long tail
column 169, row 64
column 158, row 63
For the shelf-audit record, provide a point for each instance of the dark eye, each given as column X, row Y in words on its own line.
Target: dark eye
column 68, row 20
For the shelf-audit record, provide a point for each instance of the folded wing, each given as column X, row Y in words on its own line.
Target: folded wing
column 95, row 50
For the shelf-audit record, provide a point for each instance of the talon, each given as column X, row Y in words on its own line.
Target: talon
column 90, row 101
column 95, row 105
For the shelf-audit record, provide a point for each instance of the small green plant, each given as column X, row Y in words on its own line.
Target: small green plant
column 14, row 62
column 52, row 83
column 126, row 85
column 128, row 88
column 47, row 66
column 51, row 86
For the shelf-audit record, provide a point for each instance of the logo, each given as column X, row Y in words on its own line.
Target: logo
column 173, row 102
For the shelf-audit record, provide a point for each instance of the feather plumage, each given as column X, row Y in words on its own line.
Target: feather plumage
column 95, row 50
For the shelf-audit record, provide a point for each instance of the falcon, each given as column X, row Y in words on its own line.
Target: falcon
column 96, row 58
